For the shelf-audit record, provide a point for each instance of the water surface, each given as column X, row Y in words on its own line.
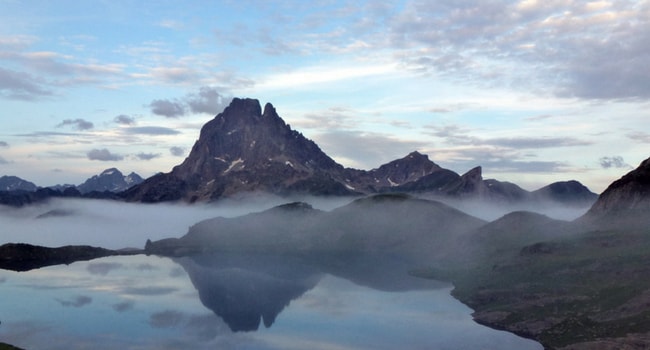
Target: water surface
column 146, row 302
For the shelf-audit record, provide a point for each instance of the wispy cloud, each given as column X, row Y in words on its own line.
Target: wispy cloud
column 149, row 130
column 78, row 124
column 208, row 100
column 124, row 119
column 78, row 301
column 167, row 108
column 103, row 155
column 177, row 151
column 21, row 86
column 613, row 162
column 147, row 156
column 378, row 149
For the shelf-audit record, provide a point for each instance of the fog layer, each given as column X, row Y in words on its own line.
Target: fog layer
column 116, row 225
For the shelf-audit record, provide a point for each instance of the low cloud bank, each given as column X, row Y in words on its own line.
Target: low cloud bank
column 116, row 225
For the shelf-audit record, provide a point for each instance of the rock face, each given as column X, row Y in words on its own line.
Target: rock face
column 246, row 149
column 629, row 193
column 111, row 180
column 14, row 183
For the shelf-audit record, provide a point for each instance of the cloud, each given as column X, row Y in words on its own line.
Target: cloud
column 640, row 136
column 166, row 319
column 458, row 135
column 103, row 269
column 3, row 161
column 330, row 118
column 103, row 155
column 570, row 49
column 613, row 162
column 124, row 119
column 149, row 291
column 21, row 86
column 78, row 124
column 534, row 142
column 79, row 301
column 4, row 144
column 147, row 156
column 176, row 75
column 170, row 24
column 519, row 166
column 123, row 306
column 208, row 100
column 167, row 108
column 47, row 134
column 378, row 148
column 177, row 151
column 149, row 130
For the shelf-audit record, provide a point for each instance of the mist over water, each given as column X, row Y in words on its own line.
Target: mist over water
column 167, row 309
column 490, row 211
column 116, row 225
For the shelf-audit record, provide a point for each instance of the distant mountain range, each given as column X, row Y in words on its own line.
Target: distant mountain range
column 14, row 183
column 111, row 180
column 247, row 149
column 17, row 192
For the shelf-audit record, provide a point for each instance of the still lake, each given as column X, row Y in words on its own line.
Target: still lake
column 235, row 302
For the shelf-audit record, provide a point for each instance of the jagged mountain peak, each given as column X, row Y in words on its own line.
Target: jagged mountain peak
column 474, row 174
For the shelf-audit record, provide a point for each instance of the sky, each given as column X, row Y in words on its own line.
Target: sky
column 533, row 91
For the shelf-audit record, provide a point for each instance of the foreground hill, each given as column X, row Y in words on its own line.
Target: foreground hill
column 572, row 285
column 625, row 202
column 390, row 224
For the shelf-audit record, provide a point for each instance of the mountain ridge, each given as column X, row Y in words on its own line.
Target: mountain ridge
column 249, row 149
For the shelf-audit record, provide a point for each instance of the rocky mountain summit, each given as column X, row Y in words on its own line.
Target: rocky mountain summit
column 249, row 149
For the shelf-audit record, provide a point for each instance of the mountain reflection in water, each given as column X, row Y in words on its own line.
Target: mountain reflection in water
column 146, row 302
column 244, row 289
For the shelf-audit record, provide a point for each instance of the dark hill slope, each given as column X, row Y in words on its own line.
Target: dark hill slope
column 625, row 203
column 391, row 224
